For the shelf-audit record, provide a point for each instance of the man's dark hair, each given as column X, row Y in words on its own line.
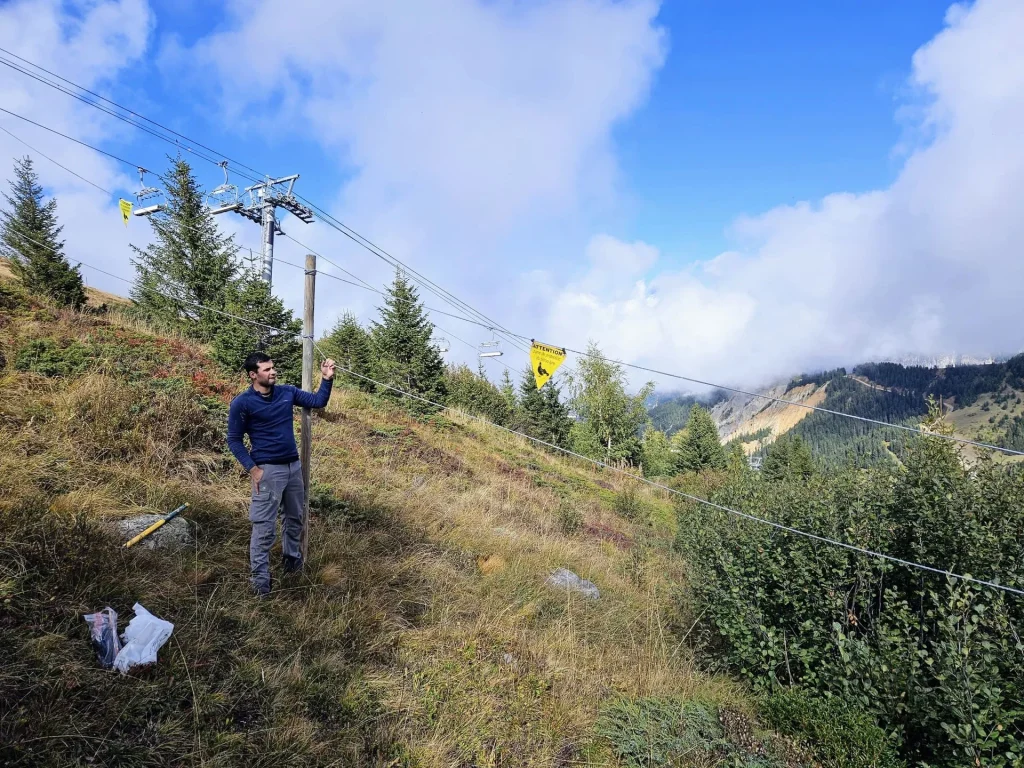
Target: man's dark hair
column 252, row 362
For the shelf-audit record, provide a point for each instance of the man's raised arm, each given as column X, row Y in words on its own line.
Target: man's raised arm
column 319, row 398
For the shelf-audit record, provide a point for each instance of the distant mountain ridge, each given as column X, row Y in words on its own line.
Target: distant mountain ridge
column 982, row 401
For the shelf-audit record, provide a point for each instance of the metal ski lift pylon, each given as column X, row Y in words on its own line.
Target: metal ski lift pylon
column 225, row 197
column 147, row 193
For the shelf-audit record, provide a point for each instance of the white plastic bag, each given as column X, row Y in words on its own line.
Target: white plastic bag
column 143, row 637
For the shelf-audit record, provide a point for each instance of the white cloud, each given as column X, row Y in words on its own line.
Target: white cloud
column 461, row 124
column 930, row 265
column 100, row 38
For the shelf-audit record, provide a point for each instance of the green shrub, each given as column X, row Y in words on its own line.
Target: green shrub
column 630, row 504
column 937, row 663
column 111, row 420
column 49, row 358
column 659, row 732
column 335, row 509
column 840, row 735
column 569, row 517
column 12, row 297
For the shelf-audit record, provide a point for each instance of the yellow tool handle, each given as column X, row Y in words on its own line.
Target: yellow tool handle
column 170, row 516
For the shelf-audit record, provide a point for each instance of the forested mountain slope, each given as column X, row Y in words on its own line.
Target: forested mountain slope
column 982, row 402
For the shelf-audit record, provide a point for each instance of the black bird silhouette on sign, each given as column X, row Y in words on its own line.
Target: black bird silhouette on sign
column 540, row 369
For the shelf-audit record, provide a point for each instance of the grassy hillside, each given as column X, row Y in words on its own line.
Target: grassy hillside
column 421, row 634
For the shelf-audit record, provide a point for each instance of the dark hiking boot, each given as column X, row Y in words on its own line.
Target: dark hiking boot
column 291, row 564
column 261, row 590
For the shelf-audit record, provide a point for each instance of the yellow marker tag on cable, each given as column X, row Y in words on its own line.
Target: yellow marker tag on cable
column 545, row 359
column 126, row 210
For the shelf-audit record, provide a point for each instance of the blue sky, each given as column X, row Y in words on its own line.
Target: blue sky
column 729, row 189
column 763, row 104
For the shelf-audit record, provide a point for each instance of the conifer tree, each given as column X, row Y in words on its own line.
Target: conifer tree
column 736, row 458
column 541, row 413
column 701, row 448
column 189, row 263
column 30, row 238
column 508, row 391
column 609, row 421
column 474, row 393
column 349, row 344
column 250, row 298
column 788, row 457
column 405, row 358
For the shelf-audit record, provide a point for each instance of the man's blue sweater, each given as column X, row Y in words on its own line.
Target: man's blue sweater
column 268, row 421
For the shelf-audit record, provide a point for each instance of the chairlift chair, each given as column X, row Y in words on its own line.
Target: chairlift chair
column 225, row 197
column 442, row 344
column 147, row 194
column 491, row 349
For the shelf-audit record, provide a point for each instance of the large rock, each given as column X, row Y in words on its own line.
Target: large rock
column 563, row 578
column 174, row 534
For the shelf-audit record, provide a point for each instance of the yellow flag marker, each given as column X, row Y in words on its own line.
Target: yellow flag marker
column 126, row 210
column 545, row 359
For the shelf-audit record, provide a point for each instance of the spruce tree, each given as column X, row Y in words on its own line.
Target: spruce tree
column 405, row 358
column 234, row 340
column 189, row 263
column 736, row 458
column 349, row 344
column 788, row 457
column 508, row 391
column 541, row 413
column 701, row 448
column 474, row 393
column 30, row 238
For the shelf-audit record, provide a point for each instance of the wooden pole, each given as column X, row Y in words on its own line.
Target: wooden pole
column 306, row 449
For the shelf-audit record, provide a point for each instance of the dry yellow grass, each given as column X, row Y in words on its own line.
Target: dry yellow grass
column 421, row 634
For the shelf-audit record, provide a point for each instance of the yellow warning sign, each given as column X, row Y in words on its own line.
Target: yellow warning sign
column 126, row 210
column 545, row 360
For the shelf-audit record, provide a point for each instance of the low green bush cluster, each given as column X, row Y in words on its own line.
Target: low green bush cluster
column 652, row 732
column 843, row 736
column 48, row 357
column 937, row 663
column 570, row 517
column 629, row 503
column 657, row 732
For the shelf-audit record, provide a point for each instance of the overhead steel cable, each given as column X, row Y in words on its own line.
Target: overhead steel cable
column 380, row 292
column 784, row 401
column 69, row 138
column 696, row 499
column 705, row 502
column 798, row 404
column 333, row 264
column 58, row 164
column 124, row 118
column 517, row 340
column 433, row 287
column 362, row 283
column 126, row 109
column 446, row 296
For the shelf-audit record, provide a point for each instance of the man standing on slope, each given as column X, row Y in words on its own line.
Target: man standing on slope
column 264, row 412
